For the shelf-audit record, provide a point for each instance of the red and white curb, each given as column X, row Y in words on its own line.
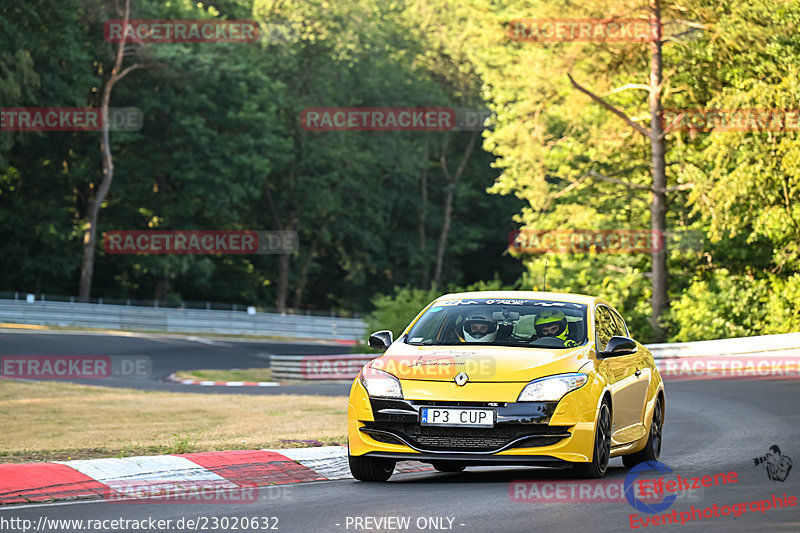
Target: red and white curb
column 206, row 383
column 150, row 476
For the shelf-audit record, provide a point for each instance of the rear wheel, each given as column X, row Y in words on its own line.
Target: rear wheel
column 448, row 467
column 652, row 450
column 370, row 468
column 602, row 447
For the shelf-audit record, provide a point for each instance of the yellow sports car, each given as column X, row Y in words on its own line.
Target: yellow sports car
column 499, row 378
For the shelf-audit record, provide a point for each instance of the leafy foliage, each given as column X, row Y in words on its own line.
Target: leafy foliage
column 396, row 311
column 222, row 147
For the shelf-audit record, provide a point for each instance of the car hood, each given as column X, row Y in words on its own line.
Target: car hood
column 481, row 363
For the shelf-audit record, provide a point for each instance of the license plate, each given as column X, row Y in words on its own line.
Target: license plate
column 454, row 417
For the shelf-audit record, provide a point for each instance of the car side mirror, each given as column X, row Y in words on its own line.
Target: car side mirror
column 619, row 346
column 380, row 340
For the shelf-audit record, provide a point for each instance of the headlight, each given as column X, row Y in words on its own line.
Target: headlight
column 551, row 389
column 380, row 384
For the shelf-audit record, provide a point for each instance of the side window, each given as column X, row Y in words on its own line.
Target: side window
column 622, row 330
column 605, row 328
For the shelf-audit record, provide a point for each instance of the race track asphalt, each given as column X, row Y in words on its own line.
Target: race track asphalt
column 170, row 353
column 711, row 427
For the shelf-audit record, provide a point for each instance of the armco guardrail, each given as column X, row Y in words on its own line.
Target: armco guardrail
column 345, row 367
column 314, row 367
column 132, row 318
column 741, row 345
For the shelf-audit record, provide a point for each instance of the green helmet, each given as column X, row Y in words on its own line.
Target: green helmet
column 548, row 318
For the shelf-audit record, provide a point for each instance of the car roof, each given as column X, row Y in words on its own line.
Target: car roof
column 529, row 295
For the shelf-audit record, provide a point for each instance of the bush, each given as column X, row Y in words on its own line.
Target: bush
column 396, row 312
column 716, row 305
column 783, row 306
column 727, row 306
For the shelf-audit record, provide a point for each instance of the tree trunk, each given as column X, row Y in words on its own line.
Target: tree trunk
column 447, row 213
column 301, row 283
column 283, row 283
column 658, row 208
column 447, row 208
column 161, row 289
column 90, row 236
column 422, row 221
column 282, row 289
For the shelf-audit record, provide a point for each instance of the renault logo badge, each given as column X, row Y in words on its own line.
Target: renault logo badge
column 461, row 379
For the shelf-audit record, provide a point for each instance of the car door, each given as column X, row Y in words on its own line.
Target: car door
column 627, row 396
column 643, row 371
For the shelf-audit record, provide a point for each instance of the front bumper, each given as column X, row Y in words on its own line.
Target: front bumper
column 540, row 433
column 517, row 426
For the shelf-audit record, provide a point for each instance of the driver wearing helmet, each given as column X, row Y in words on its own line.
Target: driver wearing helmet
column 478, row 328
column 553, row 323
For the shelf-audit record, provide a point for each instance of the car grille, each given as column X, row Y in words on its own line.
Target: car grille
column 471, row 442
column 466, row 439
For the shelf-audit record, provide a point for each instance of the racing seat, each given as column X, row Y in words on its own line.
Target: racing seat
column 575, row 331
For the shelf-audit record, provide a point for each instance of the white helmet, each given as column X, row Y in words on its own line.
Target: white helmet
column 478, row 328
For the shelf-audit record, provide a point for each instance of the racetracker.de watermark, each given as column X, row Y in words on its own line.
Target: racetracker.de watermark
column 613, row 241
column 181, row 31
column 442, row 366
column 731, row 120
column 75, row 366
column 378, row 119
column 70, row 119
column 573, row 241
column 730, row 367
column 583, row 30
column 326, row 367
column 591, row 491
column 200, row 242
column 171, row 491
column 394, row 118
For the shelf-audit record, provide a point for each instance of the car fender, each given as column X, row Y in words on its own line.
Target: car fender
column 581, row 406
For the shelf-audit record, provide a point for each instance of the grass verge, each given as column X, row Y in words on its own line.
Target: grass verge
column 235, row 374
column 47, row 421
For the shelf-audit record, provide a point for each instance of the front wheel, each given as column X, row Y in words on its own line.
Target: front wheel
column 602, row 447
column 370, row 468
column 652, row 450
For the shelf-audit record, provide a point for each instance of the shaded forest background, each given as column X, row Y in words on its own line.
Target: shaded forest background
column 222, row 148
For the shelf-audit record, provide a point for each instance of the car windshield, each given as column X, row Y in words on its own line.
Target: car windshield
column 501, row 322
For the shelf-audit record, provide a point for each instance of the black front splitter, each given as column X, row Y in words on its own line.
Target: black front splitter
column 475, row 460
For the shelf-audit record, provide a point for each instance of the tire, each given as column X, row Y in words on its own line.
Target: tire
column 370, row 468
column 449, row 467
column 602, row 447
column 651, row 450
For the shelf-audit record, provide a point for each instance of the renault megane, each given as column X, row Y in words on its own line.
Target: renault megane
column 498, row 378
